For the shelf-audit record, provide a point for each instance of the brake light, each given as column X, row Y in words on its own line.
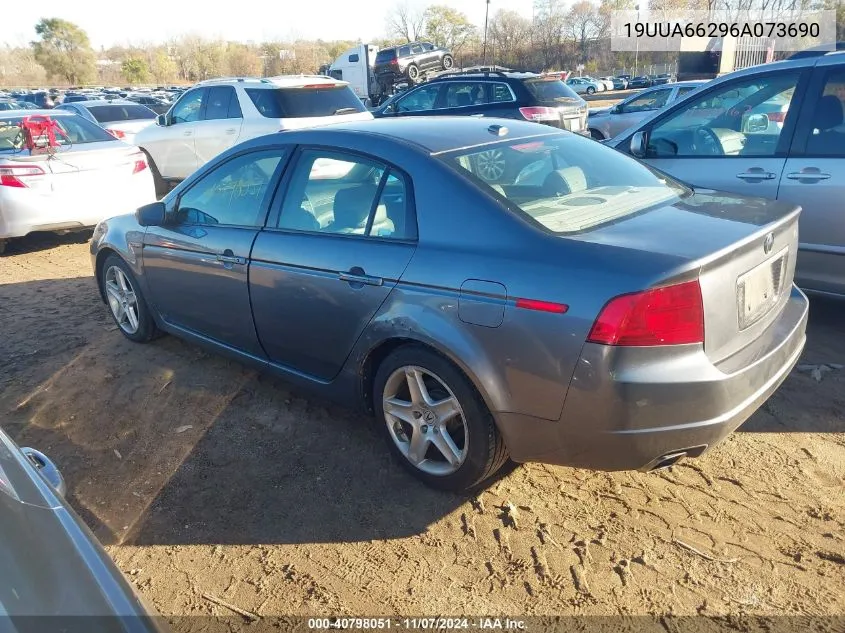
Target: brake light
column 318, row 86
column 140, row 163
column 541, row 306
column 18, row 175
column 539, row 113
column 117, row 133
column 672, row 315
column 777, row 117
column 394, row 62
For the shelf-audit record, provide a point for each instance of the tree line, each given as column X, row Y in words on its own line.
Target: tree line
column 559, row 36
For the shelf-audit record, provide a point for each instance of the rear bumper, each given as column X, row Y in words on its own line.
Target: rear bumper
column 626, row 408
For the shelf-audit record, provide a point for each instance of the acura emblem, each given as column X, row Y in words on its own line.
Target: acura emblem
column 768, row 243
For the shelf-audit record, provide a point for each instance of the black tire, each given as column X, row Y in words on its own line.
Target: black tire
column 486, row 452
column 147, row 329
column 159, row 182
column 413, row 73
column 448, row 62
column 591, row 90
column 3, row 246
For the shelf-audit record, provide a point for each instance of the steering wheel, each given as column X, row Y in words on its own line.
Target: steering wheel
column 705, row 140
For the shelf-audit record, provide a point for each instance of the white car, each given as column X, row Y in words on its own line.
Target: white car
column 608, row 82
column 90, row 176
column 119, row 117
column 214, row 115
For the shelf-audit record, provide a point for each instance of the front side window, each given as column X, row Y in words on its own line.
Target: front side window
column 565, row 183
column 423, row 98
column 188, row 108
column 341, row 194
column 233, row 194
column 744, row 118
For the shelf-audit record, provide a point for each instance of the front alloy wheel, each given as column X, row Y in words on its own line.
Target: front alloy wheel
column 122, row 300
column 425, row 420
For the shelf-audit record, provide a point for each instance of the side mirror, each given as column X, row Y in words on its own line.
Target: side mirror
column 638, row 144
column 161, row 120
column 617, row 109
column 756, row 123
column 151, row 214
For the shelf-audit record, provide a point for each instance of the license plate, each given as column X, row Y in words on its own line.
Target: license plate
column 758, row 290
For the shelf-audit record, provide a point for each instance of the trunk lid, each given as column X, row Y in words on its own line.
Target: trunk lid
column 743, row 249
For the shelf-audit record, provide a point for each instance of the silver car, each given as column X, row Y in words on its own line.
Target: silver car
column 121, row 118
column 583, row 310
column 582, row 85
column 605, row 123
column 775, row 130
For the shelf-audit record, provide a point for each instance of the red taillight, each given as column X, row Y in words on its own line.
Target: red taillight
column 319, row 86
column 394, row 62
column 117, row 133
column 777, row 117
column 672, row 315
column 542, row 306
column 140, row 163
column 18, row 175
column 539, row 113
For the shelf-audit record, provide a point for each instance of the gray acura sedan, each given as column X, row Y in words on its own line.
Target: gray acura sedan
column 585, row 310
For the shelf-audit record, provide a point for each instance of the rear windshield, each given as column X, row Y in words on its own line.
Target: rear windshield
column 551, row 90
column 385, row 55
column 120, row 112
column 566, row 183
column 292, row 103
column 78, row 131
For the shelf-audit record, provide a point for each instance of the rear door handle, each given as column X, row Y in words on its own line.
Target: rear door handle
column 360, row 278
column 808, row 175
column 752, row 174
column 231, row 130
column 187, row 133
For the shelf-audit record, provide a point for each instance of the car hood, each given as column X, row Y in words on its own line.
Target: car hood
column 693, row 227
column 52, row 565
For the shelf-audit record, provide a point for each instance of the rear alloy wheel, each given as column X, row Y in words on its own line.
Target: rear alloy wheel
column 435, row 422
column 591, row 90
column 490, row 165
column 413, row 73
column 448, row 62
column 126, row 302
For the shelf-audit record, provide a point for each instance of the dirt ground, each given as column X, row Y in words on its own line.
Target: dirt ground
column 203, row 477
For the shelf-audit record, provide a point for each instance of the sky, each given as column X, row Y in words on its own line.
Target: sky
column 150, row 21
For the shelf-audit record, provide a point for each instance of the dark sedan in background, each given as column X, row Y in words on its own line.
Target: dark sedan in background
column 583, row 310
column 54, row 575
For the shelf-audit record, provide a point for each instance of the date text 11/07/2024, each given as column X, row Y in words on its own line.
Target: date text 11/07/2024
column 416, row 624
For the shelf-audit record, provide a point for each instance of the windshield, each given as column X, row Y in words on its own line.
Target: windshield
column 551, row 89
column 566, row 183
column 325, row 100
column 78, row 131
column 120, row 112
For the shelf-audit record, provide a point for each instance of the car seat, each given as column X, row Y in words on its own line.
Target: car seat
column 565, row 181
column 826, row 140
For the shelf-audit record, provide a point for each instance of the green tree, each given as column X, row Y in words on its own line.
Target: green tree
column 64, row 50
column 163, row 68
column 447, row 27
column 135, row 70
column 243, row 61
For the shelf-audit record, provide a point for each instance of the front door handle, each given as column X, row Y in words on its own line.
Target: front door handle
column 811, row 174
column 357, row 276
column 229, row 257
column 756, row 173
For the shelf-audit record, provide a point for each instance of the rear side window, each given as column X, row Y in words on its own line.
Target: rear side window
column 291, row 103
column 385, row 55
column 404, row 51
column 501, row 93
column 353, row 58
column 120, row 112
column 219, row 104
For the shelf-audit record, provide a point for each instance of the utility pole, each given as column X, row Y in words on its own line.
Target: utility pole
column 637, row 53
column 484, row 48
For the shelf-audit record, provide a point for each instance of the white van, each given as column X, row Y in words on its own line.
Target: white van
column 355, row 67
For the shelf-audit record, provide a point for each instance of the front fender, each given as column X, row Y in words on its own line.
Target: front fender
column 123, row 236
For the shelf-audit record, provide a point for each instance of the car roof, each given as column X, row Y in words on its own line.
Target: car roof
column 30, row 112
column 435, row 134
column 279, row 81
column 496, row 75
column 103, row 102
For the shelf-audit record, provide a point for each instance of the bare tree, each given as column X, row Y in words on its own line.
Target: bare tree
column 582, row 25
column 405, row 22
column 509, row 35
